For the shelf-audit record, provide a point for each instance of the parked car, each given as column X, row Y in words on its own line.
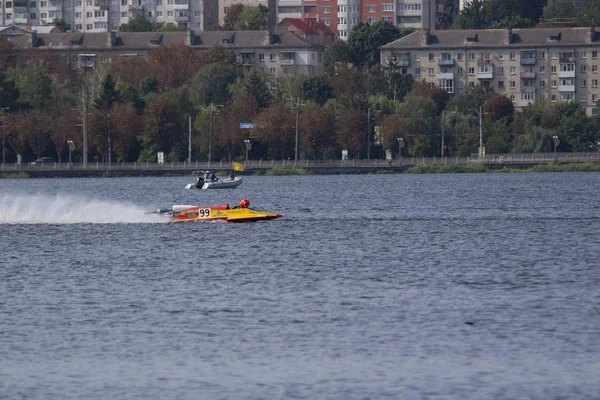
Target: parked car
column 43, row 160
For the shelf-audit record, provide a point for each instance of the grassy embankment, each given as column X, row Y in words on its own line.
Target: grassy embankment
column 15, row 175
column 288, row 171
column 456, row 169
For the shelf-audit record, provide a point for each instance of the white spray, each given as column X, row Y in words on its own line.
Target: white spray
column 40, row 209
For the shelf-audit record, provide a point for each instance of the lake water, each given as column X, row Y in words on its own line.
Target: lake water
column 467, row 286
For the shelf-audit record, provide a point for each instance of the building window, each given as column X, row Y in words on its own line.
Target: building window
column 583, row 68
column 417, row 71
column 272, row 70
column 261, row 57
column 512, row 98
column 553, row 68
column 594, row 83
column 459, row 56
column 327, row 21
column 513, row 84
column 594, row 68
column 271, row 57
column 430, row 56
column 371, row 20
column 583, row 54
column 583, row 83
column 418, row 58
column 513, row 55
column 158, row 13
column 326, row 10
column 32, row 16
column 447, row 85
column 460, row 71
column 512, row 70
column 542, row 83
column 387, row 7
column 471, row 85
column 89, row 27
column 594, row 97
column 343, row 9
column 342, row 21
column 500, row 70
column 543, row 55
column 553, row 83
column 542, row 69
column 594, row 53
column 500, row 84
column 78, row 27
column 371, row 9
column 554, row 55
column 471, row 70
column 431, row 71
column 471, row 56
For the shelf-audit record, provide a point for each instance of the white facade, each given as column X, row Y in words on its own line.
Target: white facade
column 103, row 15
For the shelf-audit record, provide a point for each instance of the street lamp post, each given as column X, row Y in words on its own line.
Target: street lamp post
column 248, row 147
column 556, row 143
column 400, row 146
column 70, row 144
column 295, row 103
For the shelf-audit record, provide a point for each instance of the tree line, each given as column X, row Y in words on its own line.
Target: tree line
column 134, row 107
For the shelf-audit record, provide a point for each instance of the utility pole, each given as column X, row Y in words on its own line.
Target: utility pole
column 109, row 144
column 190, row 140
column 297, row 119
column 442, row 134
column 210, row 135
column 480, row 134
column 3, row 110
column 369, row 133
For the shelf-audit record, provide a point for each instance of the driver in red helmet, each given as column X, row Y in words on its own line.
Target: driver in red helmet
column 245, row 203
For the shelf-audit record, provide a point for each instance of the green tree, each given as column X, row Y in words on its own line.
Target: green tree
column 316, row 88
column 422, row 130
column 276, row 128
column 366, row 39
column 498, row 107
column 474, row 15
column 211, row 84
column 139, row 23
column 252, row 19
column 449, row 14
column 232, row 16
column 317, row 127
column 336, row 53
column 34, row 84
column 9, row 94
column 513, row 22
column 61, row 24
column 560, row 9
column 257, row 88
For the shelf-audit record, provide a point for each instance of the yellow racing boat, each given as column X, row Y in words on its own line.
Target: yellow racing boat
column 224, row 213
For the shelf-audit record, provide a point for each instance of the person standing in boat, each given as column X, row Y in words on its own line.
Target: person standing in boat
column 232, row 175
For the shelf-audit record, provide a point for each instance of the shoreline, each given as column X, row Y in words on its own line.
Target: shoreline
column 399, row 169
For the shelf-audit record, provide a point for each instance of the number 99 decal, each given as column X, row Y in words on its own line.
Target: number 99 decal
column 204, row 213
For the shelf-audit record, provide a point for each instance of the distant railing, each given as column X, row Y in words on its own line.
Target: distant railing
column 537, row 158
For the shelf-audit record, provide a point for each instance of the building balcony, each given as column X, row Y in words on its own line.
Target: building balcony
column 484, row 61
column 485, row 75
column 287, row 62
column 524, row 103
column 181, row 18
column 528, row 60
column 87, row 64
column 527, row 75
column 402, row 63
column 20, row 20
column 566, row 74
column 19, row 4
column 529, row 89
column 564, row 60
column 566, row 88
column 446, row 75
column 135, row 8
column 446, row 63
column 181, row 6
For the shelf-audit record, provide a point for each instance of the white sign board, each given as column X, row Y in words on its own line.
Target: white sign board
column 344, row 154
column 161, row 157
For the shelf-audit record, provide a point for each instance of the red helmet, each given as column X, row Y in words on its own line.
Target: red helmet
column 245, row 203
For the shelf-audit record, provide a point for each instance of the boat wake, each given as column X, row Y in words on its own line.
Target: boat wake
column 59, row 209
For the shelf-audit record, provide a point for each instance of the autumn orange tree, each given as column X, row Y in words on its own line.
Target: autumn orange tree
column 317, row 127
column 275, row 126
column 228, row 134
column 174, row 65
column 352, row 132
column 391, row 128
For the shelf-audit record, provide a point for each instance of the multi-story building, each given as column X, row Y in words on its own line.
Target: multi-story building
column 550, row 64
column 273, row 52
column 308, row 29
column 104, row 15
column 342, row 15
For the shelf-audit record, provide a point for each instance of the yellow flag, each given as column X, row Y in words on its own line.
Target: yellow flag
column 238, row 166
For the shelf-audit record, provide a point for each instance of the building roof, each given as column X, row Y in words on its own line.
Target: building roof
column 496, row 38
column 308, row 26
column 137, row 40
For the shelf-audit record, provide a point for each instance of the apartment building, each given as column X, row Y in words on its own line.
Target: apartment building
column 342, row 15
column 550, row 64
column 104, row 15
column 272, row 52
